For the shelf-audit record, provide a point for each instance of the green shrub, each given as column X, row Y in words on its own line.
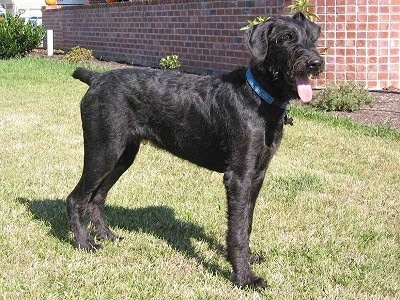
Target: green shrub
column 17, row 39
column 256, row 21
column 78, row 54
column 170, row 62
column 303, row 6
column 348, row 96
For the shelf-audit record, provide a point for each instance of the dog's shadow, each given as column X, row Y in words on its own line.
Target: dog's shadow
column 159, row 221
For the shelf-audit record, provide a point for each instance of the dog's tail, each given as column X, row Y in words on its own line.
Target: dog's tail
column 85, row 75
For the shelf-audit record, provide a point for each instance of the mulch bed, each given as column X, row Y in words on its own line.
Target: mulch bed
column 384, row 111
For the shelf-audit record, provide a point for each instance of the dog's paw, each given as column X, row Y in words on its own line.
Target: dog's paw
column 89, row 246
column 251, row 281
column 108, row 235
column 259, row 283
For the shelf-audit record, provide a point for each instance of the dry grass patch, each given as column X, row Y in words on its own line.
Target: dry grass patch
column 327, row 219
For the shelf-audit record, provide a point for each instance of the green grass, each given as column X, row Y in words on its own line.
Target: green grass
column 327, row 218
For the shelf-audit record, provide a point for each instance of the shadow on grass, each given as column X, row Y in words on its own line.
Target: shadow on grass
column 159, row 221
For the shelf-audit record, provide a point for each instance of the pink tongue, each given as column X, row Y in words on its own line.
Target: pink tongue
column 304, row 89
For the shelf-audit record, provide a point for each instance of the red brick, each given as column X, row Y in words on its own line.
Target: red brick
column 393, row 63
column 340, row 18
column 350, row 52
column 350, row 76
column 362, row 26
column 362, row 7
column 384, row 27
column 373, row 10
column 361, row 76
column 351, row 26
column 383, row 75
column 164, row 26
column 395, row 75
column 372, row 26
column 395, row 9
column 394, row 52
column 350, row 67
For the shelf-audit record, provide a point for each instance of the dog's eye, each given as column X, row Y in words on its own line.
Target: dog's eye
column 287, row 37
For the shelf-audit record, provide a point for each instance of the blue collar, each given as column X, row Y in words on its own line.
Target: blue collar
column 261, row 92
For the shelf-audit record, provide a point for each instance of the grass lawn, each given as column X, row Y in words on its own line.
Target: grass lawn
column 327, row 218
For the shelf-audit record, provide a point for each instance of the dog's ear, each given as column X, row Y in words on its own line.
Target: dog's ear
column 257, row 39
column 313, row 30
column 300, row 17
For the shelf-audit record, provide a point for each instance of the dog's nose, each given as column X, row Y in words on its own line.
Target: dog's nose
column 314, row 64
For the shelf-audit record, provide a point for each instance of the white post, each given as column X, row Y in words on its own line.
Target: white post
column 50, row 47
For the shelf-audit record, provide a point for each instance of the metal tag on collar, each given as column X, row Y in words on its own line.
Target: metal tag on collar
column 288, row 120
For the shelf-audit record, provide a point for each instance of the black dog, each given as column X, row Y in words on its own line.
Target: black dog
column 231, row 124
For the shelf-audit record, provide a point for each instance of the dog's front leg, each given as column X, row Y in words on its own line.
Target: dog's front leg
column 242, row 192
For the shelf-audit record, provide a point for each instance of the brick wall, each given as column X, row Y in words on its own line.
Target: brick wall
column 205, row 34
column 364, row 41
column 363, row 36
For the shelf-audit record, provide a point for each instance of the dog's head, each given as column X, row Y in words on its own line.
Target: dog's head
column 284, row 51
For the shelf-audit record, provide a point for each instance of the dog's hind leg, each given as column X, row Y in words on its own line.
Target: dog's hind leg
column 102, row 168
column 76, row 208
column 96, row 205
